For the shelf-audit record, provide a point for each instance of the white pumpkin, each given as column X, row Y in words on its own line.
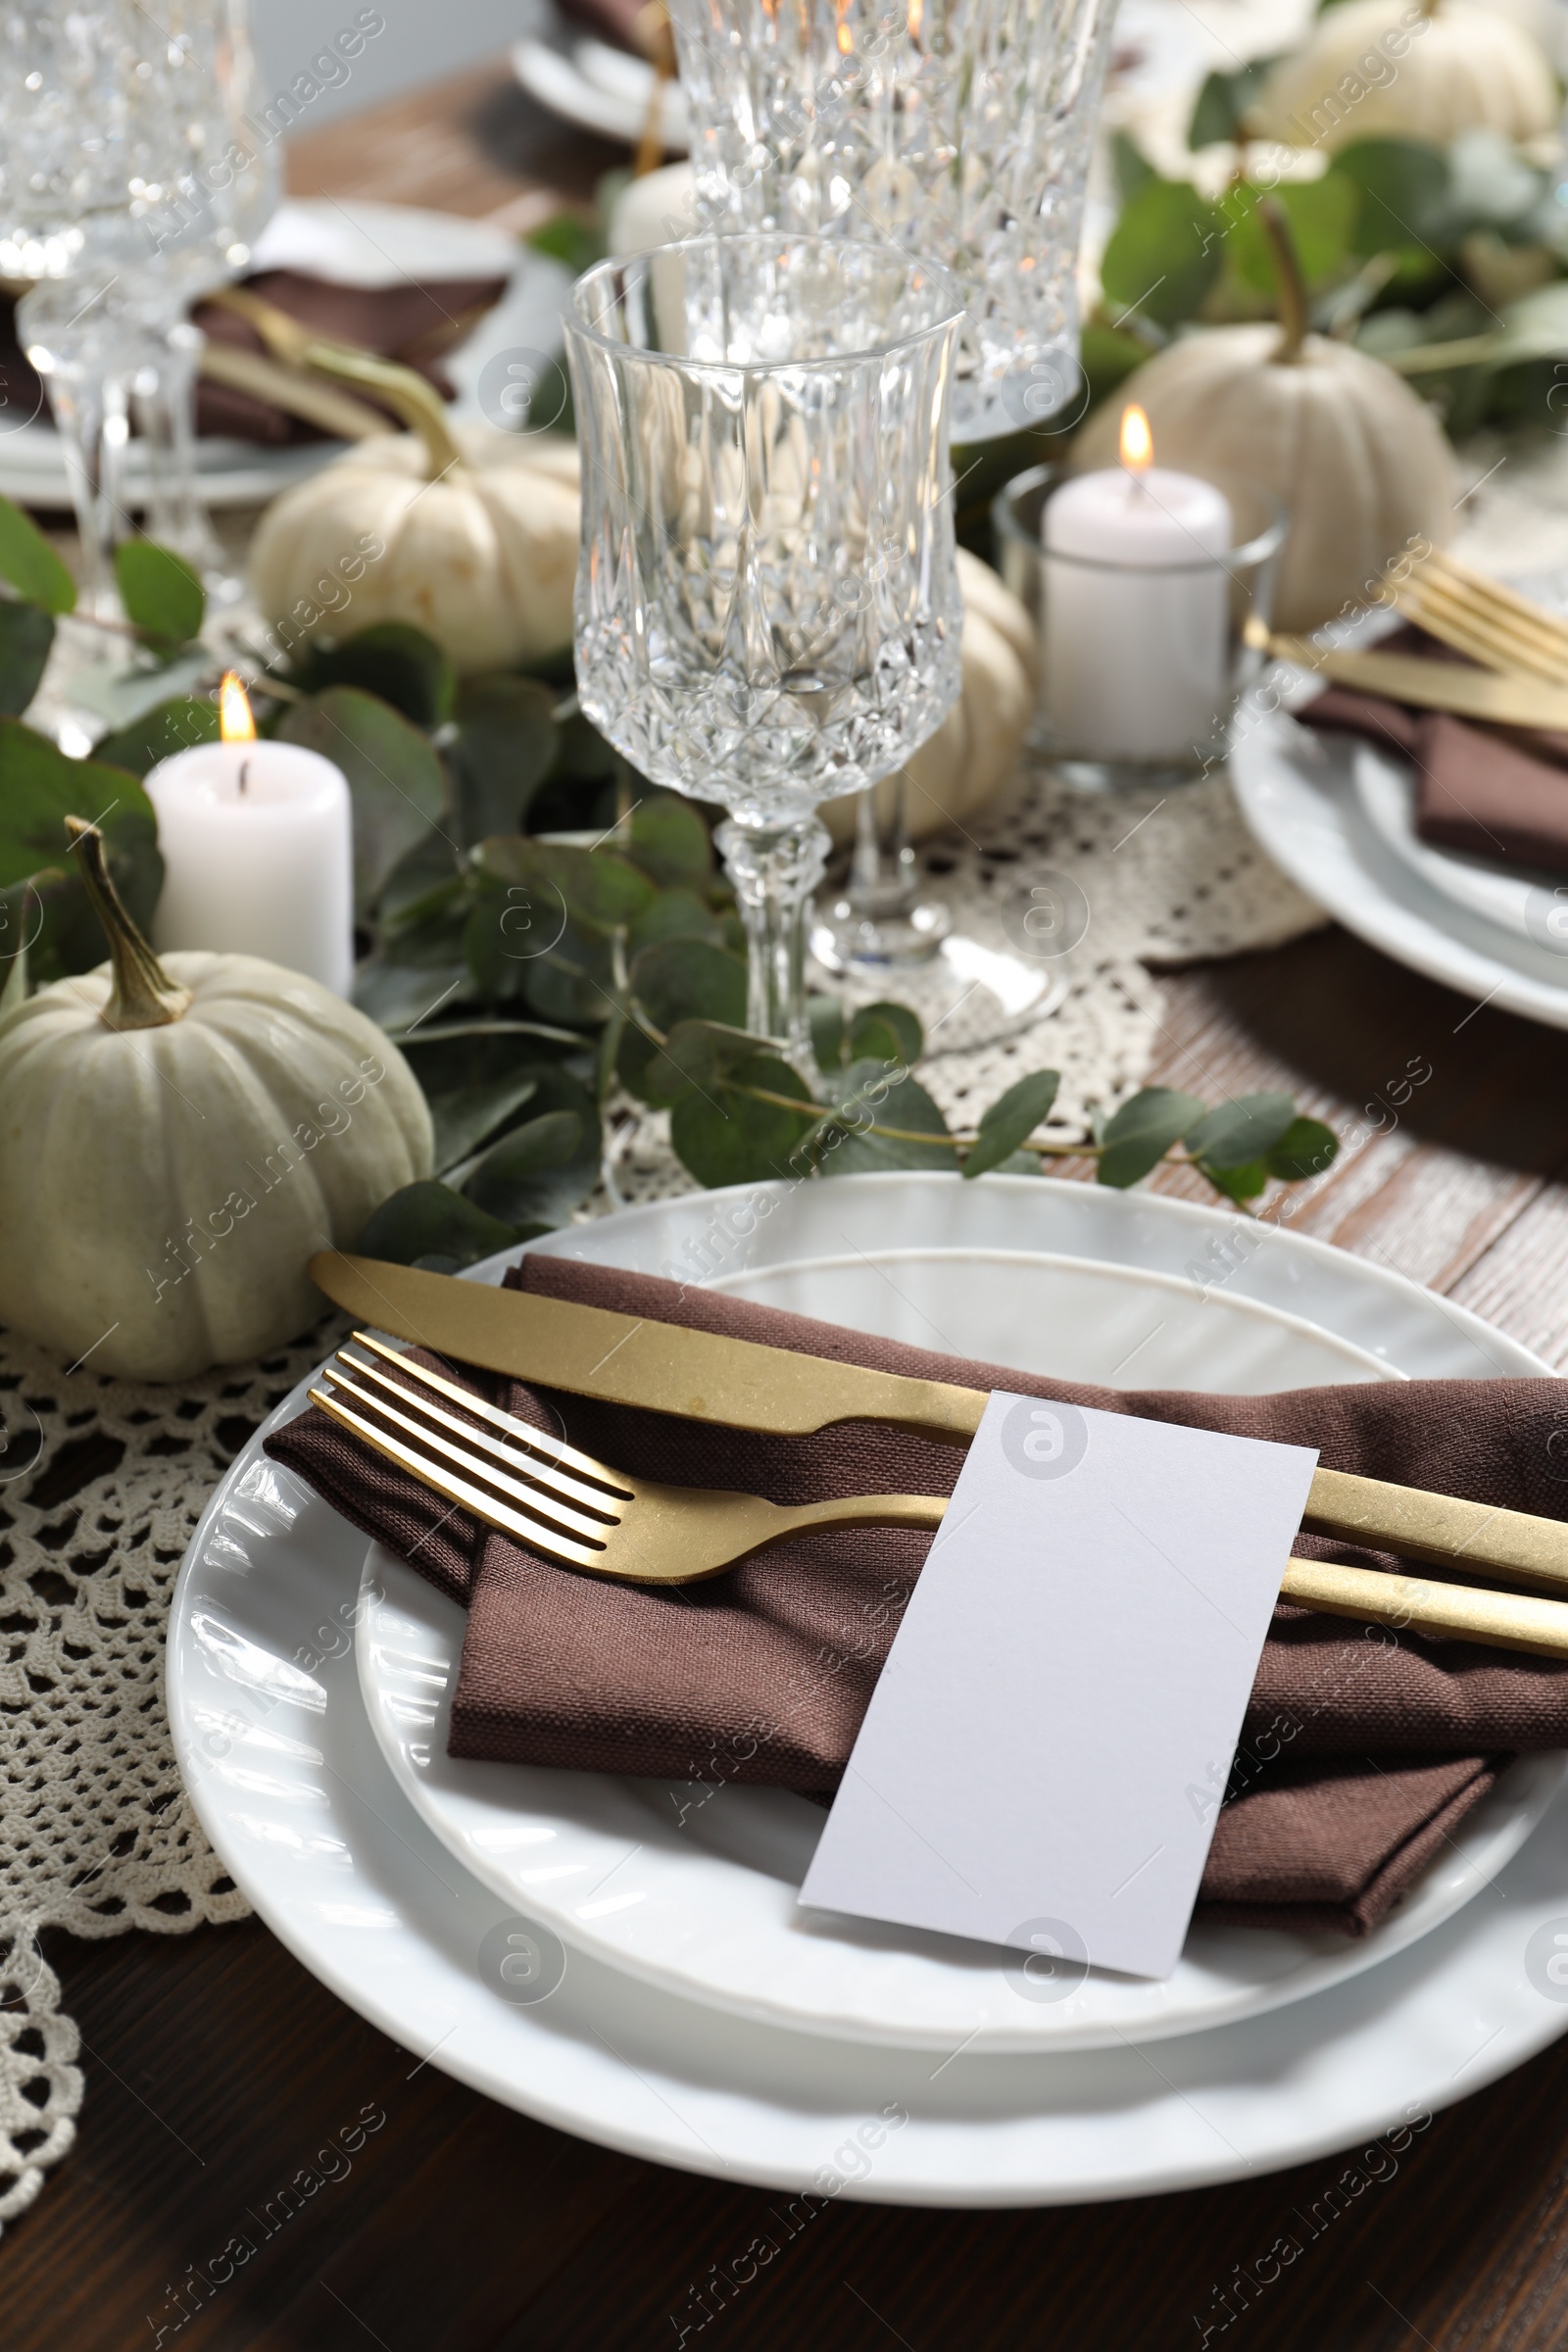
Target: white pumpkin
column 484, row 559
column 1388, row 68
column 976, row 747
column 176, row 1140
column 1360, row 464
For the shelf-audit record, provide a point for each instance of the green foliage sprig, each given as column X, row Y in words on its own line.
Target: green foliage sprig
column 544, row 935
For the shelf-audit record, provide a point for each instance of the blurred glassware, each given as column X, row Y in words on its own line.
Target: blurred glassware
column 768, row 612
column 960, row 130
column 131, row 181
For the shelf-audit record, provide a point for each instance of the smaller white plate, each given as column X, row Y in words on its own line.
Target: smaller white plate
column 600, row 89
column 1301, row 796
column 700, row 1899
column 1520, row 900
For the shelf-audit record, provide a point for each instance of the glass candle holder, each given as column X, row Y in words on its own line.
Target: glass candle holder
column 1146, row 647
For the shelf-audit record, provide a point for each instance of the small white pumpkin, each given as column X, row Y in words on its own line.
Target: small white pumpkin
column 1393, row 68
column 176, row 1140
column 478, row 533
column 1361, row 466
column 974, row 751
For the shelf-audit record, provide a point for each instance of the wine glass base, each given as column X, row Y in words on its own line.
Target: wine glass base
column 968, row 992
column 851, row 941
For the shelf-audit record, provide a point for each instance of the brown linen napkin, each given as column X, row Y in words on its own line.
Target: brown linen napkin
column 1492, row 792
column 415, row 323
column 1361, row 1748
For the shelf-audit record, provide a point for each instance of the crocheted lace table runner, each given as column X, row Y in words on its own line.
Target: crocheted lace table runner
column 102, row 1482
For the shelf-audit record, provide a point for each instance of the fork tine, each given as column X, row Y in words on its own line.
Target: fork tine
column 1494, row 638
column 536, row 1468
column 1486, row 590
column 487, row 1507
column 538, row 1440
column 528, row 1498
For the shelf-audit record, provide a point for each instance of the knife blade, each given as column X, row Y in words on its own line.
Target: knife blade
column 741, row 1384
column 624, row 1359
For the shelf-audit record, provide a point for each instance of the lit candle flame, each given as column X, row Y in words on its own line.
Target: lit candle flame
column 915, row 12
column 845, row 39
column 234, row 721
column 1137, row 441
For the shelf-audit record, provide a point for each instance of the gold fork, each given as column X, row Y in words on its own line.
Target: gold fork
column 569, row 1507
column 1482, row 619
column 565, row 1505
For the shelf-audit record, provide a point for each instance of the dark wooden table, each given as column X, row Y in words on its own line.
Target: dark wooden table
column 217, row 2069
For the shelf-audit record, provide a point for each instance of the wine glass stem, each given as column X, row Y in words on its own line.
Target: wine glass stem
column 882, row 866
column 774, row 870
column 165, row 405
column 91, row 415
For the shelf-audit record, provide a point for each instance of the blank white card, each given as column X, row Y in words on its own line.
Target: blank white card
column 1045, row 1752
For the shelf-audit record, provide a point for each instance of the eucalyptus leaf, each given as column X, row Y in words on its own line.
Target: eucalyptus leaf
column 674, row 914
column 398, row 996
column 1131, row 167
column 1243, row 1183
column 598, row 889
column 1143, row 1131
column 162, row 595
column 158, row 734
column 467, row 1118
column 1321, row 216
column 867, row 1098
column 1013, row 1116
column 395, row 777
column 26, row 633
column 829, row 1038
column 425, row 882
column 428, row 1224
column 700, row 1054
column 668, row 841
column 542, row 1169
column 679, row 980
column 30, row 565
column 1225, row 101
column 14, row 969
column 392, row 660
column 574, row 981
column 1406, row 190
column 734, row 1139
column 1240, row 1131
column 874, row 1023
column 1305, row 1148
column 1164, row 253
column 39, row 788
column 503, row 748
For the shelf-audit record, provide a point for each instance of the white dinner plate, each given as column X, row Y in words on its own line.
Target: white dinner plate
column 1299, row 796
column 352, row 242
column 1519, row 902
column 292, row 1789
column 697, row 1893
column 601, row 89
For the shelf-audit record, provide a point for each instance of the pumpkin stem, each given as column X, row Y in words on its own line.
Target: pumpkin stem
column 404, row 389
column 1291, row 285
column 143, row 996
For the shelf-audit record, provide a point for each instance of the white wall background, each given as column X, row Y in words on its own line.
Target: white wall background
column 424, row 41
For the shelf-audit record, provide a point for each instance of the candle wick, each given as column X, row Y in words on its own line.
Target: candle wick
column 244, row 773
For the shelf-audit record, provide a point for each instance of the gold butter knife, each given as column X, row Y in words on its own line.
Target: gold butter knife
column 1492, row 696
column 740, row 1383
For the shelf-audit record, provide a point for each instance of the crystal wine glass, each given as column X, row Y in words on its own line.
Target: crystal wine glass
column 129, row 184
column 959, row 129
column 767, row 604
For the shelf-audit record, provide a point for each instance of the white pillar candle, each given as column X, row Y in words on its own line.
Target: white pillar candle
column 1136, row 629
column 257, row 848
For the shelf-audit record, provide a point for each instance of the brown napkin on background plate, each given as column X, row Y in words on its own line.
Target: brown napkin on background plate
column 1493, row 792
column 1362, row 1749
column 415, row 323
